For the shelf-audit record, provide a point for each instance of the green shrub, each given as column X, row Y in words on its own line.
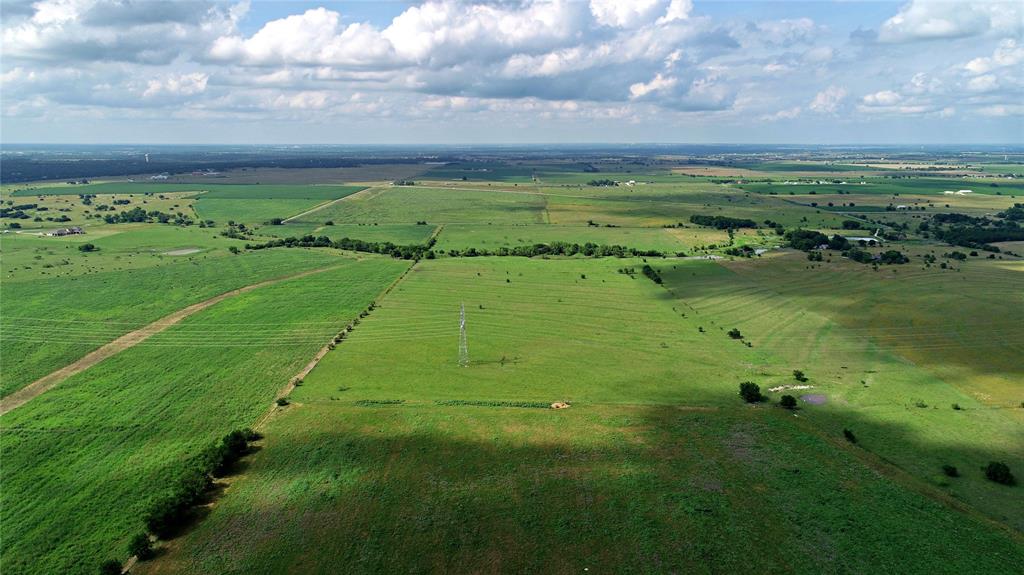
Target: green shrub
column 750, row 392
column 1000, row 473
column 849, row 436
column 141, row 546
column 788, row 401
column 110, row 567
column 950, row 471
column 281, row 401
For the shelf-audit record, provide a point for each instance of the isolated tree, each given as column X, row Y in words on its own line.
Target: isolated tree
column 141, row 547
column 750, row 392
column 950, row 471
column 281, row 401
column 799, row 375
column 1000, row 473
column 735, row 334
column 788, row 401
column 233, row 249
column 87, row 247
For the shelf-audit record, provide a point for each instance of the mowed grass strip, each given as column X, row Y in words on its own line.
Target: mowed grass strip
column 48, row 323
column 83, row 461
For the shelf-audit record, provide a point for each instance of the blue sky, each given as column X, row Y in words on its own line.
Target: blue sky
column 454, row 71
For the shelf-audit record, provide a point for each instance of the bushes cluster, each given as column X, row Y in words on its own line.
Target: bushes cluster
column 722, row 222
column 602, row 183
column 805, row 240
column 169, row 513
column 138, row 214
column 1000, row 473
column 409, row 252
column 652, row 274
column 751, row 392
column 370, row 402
column 589, row 249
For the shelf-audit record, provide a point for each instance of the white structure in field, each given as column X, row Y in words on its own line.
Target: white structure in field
column 463, row 347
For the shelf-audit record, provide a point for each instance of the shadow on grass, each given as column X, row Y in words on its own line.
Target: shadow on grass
column 662, row 489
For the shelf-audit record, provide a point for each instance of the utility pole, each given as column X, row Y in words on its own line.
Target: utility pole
column 463, row 348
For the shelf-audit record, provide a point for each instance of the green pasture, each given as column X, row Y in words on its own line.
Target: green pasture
column 410, row 204
column 47, row 323
column 657, row 465
column 120, row 247
column 892, row 351
column 463, row 236
column 83, row 461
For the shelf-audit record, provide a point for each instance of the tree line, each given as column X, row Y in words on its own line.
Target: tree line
column 425, row 251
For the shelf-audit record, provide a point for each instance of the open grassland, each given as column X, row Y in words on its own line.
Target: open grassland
column 392, row 458
column 890, row 352
column 120, row 247
column 255, row 204
column 48, row 323
column 83, row 461
column 410, row 204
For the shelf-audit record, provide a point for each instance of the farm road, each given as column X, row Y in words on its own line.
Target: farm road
column 47, row 382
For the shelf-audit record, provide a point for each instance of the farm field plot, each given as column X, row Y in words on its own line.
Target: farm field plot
column 392, row 458
column 48, row 323
column 658, row 205
column 111, row 439
column 463, row 236
column 889, row 353
column 410, row 204
column 254, row 204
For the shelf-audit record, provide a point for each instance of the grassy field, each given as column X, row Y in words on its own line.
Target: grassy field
column 410, row 204
column 391, row 457
column 901, row 346
column 110, row 439
column 48, row 323
column 381, row 465
column 463, row 236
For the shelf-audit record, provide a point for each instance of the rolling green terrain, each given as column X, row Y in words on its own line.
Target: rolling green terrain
column 390, row 457
column 47, row 323
column 657, row 463
column 110, row 439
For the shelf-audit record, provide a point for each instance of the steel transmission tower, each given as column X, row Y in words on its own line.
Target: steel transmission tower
column 463, row 348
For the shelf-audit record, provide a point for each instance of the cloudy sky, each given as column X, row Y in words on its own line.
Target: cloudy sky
column 449, row 71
